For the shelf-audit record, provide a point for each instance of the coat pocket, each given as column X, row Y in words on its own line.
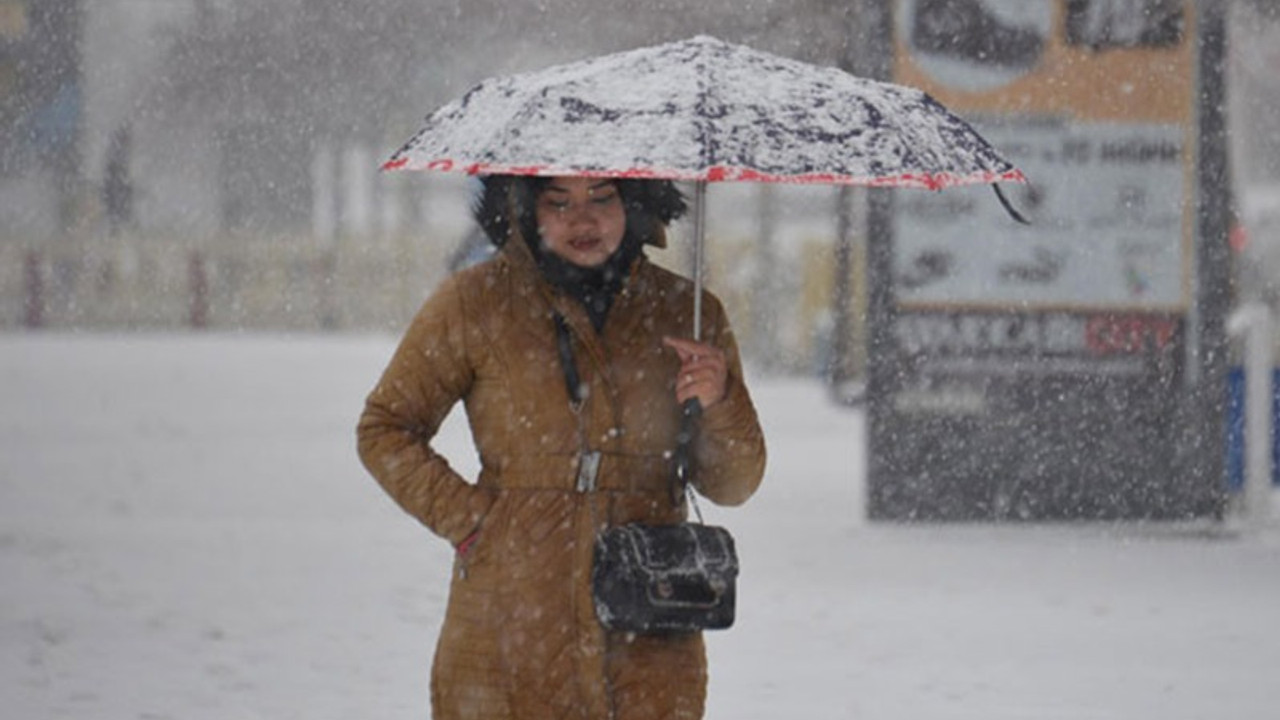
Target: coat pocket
column 469, row 553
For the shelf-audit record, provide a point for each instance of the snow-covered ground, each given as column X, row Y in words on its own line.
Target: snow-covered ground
column 186, row 533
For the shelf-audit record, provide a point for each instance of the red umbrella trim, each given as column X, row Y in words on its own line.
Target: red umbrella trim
column 719, row 174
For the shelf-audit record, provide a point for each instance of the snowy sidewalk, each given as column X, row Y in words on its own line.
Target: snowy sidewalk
column 185, row 533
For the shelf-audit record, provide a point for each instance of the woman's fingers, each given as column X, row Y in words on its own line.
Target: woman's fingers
column 686, row 349
column 703, row 374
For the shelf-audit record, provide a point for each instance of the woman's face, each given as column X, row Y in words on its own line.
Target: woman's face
column 582, row 220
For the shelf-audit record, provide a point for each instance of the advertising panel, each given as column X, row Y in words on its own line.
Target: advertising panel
column 1093, row 99
column 1035, row 368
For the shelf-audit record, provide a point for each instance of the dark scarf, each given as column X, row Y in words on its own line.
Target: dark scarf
column 594, row 287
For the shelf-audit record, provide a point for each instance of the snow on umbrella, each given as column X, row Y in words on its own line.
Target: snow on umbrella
column 704, row 110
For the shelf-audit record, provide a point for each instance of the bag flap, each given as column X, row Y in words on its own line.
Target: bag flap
column 684, row 548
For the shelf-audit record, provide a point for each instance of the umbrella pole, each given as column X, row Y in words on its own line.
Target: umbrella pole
column 699, row 230
column 691, row 409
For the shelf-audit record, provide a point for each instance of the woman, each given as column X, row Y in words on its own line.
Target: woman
column 520, row 638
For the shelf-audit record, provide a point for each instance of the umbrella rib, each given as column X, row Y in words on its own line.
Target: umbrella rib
column 702, row 111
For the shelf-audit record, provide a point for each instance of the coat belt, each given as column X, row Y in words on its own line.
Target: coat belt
column 642, row 474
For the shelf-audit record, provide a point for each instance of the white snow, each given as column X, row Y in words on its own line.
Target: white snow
column 185, row 532
column 700, row 109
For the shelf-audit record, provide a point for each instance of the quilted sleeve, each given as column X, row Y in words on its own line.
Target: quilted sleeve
column 730, row 452
column 429, row 372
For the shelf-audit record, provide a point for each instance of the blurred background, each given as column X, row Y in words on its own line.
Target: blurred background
column 185, row 531
column 213, row 164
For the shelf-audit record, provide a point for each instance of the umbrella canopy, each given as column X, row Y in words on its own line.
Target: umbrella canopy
column 704, row 110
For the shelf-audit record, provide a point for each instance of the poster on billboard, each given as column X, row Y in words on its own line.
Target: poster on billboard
column 1039, row 370
column 1093, row 100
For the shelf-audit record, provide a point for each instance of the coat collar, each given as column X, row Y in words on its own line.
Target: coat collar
column 521, row 258
column 591, row 346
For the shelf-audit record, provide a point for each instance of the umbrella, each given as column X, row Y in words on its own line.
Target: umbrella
column 704, row 110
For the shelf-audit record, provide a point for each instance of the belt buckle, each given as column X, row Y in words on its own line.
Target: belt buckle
column 588, row 471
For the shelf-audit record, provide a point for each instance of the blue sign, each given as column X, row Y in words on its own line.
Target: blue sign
column 1235, row 428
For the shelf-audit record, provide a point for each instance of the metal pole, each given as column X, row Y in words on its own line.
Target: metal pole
column 1259, row 409
column 33, row 302
column 198, row 315
column 1253, row 322
column 1206, row 362
column 699, row 239
column 841, row 341
column 764, row 340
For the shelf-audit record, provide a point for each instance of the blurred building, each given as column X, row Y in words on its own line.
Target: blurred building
column 41, row 110
column 214, row 162
column 184, row 117
column 1255, row 144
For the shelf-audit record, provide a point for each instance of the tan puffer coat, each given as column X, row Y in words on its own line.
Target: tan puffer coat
column 520, row 637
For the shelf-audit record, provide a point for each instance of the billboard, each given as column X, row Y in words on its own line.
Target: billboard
column 1035, row 370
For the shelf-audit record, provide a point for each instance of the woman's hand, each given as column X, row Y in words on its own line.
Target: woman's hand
column 703, row 373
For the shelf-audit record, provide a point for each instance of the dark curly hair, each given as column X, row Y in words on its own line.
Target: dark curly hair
column 650, row 205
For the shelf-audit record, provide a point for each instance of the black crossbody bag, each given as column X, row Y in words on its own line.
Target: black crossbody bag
column 656, row 579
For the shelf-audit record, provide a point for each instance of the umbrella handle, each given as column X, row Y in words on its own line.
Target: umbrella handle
column 682, row 471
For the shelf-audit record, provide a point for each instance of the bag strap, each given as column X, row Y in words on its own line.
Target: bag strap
column 588, row 460
column 682, row 467
column 572, row 380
